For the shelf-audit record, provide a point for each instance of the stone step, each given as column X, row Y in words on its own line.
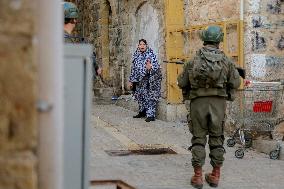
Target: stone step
column 103, row 92
column 103, row 96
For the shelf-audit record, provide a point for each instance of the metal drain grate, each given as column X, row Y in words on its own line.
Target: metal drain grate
column 146, row 151
column 110, row 184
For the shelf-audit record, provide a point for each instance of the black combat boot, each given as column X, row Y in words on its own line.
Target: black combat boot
column 148, row 119
column 140, row 114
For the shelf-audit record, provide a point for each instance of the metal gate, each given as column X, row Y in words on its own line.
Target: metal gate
column 176, row 33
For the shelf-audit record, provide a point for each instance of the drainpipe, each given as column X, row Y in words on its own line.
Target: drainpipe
column 122, row 78
column 241, row 39
column 50, row 58
column 242, row 10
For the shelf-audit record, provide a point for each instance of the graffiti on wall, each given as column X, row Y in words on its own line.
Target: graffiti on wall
column 262, row 22
column 274, row 7
column 264, row 66
column 257, row 22
column 258, row 42
column 276, row 62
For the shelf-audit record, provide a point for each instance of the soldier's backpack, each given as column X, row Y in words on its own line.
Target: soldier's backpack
column 209, row 70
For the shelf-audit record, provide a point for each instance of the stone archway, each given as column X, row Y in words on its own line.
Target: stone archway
column 146, row 26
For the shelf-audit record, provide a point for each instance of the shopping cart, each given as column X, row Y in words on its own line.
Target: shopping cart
column 256, row 109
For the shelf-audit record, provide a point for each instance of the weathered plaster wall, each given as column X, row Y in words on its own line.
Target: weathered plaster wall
column 202, row 12
column 18, row 128
column 207, row 11
column 264, row 39
column 147, row 27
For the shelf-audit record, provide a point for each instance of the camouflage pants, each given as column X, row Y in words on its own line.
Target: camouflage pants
column 207, row 118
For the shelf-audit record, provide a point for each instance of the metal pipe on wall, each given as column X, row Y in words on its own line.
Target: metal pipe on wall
column 242, row 10
column 50, row 57
column 241, row 38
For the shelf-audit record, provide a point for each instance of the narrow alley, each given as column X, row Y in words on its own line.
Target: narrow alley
column 114, row 130
column 141, row 94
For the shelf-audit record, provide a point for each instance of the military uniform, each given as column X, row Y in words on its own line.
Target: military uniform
column 208, row 106
column 70, row 12
column 68, row 38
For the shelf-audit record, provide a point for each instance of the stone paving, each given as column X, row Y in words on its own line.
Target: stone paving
column 113, row 128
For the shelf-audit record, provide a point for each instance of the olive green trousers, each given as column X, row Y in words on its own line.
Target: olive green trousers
column 207, row 115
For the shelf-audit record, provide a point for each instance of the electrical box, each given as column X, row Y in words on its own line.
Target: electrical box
column 77, row 108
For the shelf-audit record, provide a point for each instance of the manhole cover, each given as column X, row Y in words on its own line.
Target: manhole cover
column 147, row 151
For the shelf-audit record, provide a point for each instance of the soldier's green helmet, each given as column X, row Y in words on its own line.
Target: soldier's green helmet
column 212, row 34
column 70, row 10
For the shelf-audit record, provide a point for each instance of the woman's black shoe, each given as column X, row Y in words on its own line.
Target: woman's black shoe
column 139, row 115
column 148, row 119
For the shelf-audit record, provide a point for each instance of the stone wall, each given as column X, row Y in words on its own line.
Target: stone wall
column 203, row 12
column 114, row 28
column 263, row 32
column 263, row 27
column 18, row 128
column 209, row 11
column 119, row 32
column 115, row 33
column 264, row 41
column 264, row 44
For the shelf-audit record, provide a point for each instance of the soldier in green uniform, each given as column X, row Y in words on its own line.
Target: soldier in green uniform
column 71, row 14
column 208, row 80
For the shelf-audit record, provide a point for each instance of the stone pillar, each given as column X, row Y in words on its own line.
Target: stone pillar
column 18, row 94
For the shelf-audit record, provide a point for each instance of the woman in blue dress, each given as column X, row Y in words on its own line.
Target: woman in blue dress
column 146, row 78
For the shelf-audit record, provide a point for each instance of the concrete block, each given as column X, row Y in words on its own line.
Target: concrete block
column 171, row 112
column 181, row 112
column 162, row 110
column 266, row 146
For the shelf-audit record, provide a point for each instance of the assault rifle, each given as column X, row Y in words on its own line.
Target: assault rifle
column 175, row 62
column 241, row 71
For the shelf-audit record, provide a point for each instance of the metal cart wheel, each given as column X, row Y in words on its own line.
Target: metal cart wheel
column 274, row 154
column 231, row 142
column 239, row 153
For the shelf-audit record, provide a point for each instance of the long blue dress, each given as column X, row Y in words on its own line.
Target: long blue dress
column 148, row 82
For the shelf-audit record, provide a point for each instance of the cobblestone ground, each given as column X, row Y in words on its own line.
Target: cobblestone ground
column 113, row 128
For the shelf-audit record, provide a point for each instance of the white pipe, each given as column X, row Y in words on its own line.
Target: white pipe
column 122, row 79
column 50, row 53
column 242, row 10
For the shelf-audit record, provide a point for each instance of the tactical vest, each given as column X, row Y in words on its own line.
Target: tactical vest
column 208, row 70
